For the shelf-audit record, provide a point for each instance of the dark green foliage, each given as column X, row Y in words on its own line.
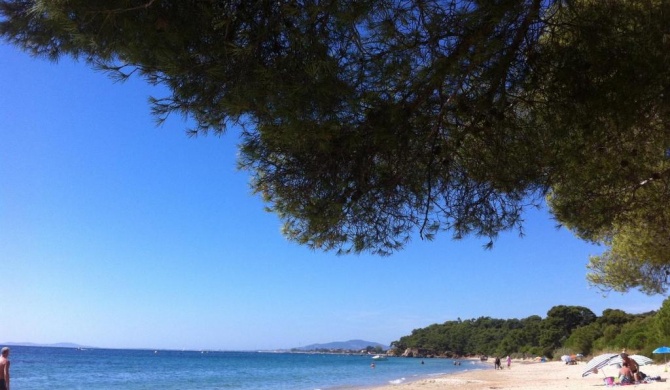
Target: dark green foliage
column 572, row 328
column 635, row 335
column 614, row 317
column 560, row 322
column 365, row 123
column 582, row 339
column 571, row 317
column 483, row 335
column 609, row 85
column 662, row 325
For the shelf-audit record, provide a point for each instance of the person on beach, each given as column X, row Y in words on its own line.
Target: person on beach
column 4, row 369
column 632, row 364
column 509, row 362
column 496, row 364
column 625, row 374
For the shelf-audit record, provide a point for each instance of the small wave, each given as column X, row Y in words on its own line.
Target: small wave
column 397, row 381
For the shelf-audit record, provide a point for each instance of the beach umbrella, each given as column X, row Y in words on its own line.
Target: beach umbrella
column 662, row 350
column 598, row 362
column 639, row 359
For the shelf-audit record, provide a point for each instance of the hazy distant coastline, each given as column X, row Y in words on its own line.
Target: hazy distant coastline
column 54, row 345
column 339, row 346
column 342, row 345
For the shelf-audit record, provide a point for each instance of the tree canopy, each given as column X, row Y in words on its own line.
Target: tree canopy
column 565, row 330
column 365, row 123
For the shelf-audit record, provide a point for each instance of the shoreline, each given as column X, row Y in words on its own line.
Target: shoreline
column 528, row 375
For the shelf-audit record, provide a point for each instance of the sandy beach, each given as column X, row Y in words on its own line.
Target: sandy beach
column 532, row 375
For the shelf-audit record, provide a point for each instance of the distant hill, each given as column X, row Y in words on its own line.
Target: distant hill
column 346, row 345
column 55, row 345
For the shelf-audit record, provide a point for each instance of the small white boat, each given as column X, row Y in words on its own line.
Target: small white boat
column 379, row 357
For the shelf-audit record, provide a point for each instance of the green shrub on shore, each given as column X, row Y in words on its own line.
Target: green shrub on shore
column 566, row 330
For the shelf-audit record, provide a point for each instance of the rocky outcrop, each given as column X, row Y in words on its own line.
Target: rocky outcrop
column 424, row 353
column 418, row 353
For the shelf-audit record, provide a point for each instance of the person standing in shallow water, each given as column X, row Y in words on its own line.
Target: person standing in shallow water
column 4, row 369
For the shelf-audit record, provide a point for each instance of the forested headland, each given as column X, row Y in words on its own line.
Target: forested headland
column 564, row 330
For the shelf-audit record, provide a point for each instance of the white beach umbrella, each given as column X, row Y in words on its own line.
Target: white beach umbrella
column 639, row 359
column 598, row 362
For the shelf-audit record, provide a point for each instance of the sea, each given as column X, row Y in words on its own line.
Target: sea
column 41, row 368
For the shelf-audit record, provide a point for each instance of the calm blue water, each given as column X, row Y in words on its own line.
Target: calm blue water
column 38, row 368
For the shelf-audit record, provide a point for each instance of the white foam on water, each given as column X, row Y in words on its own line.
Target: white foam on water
column 397, row 381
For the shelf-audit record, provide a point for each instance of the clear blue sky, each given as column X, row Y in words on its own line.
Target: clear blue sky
column 117, row 233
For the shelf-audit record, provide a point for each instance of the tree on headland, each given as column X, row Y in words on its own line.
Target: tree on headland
column 561, row 321
column 663, row 323
column 364, row 123
column 573, row 329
